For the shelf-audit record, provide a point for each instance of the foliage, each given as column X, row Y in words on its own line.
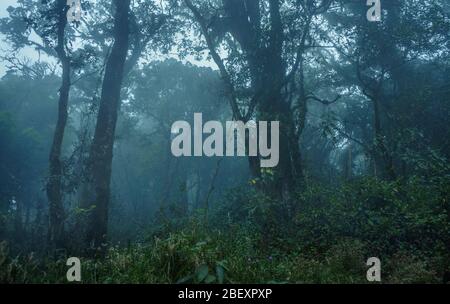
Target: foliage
column 364, row 142
column 405, row 224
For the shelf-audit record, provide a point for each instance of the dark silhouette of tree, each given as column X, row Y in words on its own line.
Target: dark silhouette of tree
column 48, row 20
column 266, row 41
column 54, row 183
column 101, row 153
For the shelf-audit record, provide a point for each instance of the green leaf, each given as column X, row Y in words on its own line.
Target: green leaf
column 185, row 279
column 220, row 272
column 202, row 272
column 210, row 279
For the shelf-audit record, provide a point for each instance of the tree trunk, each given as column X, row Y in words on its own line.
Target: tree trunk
column 383, row 159
column 100, row 158
column 267, row 76
column 54, row 183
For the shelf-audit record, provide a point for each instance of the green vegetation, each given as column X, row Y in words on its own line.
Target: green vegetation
column 404, row 223
column 87, row 113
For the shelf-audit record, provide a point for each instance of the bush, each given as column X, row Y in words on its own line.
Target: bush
column 329, row 237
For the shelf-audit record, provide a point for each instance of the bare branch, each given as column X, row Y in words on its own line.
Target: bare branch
column 217, row 59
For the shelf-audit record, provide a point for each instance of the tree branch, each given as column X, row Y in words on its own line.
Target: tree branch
column 217, row 59
column 323, row 101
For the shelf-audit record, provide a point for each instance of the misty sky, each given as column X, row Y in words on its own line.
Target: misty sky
column 27, row 52
column 32, row 54
column 3, row 13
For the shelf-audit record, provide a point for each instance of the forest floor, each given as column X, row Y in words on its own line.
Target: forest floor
column 332, row 235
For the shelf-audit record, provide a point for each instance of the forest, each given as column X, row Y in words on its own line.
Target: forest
column 90, row 93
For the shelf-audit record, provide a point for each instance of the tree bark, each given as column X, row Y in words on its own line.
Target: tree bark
column 100, row 158
column 268, row 77
column 54, row 183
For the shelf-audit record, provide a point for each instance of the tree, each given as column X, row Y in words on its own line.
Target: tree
column 49, row 21
column 54, row 183
column 383, row 56
column 265, row 42
column 101, row 152
column 135, row 26
column 27, row 115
